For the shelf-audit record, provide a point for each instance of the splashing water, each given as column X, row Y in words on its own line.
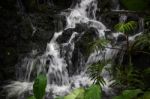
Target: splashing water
column 54, row 65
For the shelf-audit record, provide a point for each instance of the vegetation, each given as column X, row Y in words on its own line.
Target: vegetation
column 94, row 72
column 133, row 82
column 39, row 87
column 93, row 92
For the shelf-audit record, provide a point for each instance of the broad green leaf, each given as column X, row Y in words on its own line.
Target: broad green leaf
column 59, row 97
column 76, row 94
column 31, row 97
column 39, row 86
column 93, row 92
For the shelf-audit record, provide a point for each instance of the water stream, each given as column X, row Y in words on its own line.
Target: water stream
column 57, row 58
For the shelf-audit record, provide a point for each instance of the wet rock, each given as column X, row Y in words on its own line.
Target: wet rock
column 121, row 38
column 81, row 51
column 65, row 36
column 81, row 28
column 83, row 43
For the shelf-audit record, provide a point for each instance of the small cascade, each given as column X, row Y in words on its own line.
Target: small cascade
column 141, row 24
column 60, row 58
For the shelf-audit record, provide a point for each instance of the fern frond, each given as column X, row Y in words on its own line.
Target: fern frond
column 141, row 42
column 94, row 72
column 99, row 44
column 125, row 27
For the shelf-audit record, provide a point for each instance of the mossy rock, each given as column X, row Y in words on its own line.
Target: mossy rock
column 136, row 5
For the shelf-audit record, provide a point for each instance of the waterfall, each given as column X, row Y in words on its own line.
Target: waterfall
column 57, row 59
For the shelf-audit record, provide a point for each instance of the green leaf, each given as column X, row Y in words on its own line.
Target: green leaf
column 125, row 27
column 31, row 97
column 60, row 97
column 76, row 94
column 98, row 44
column 39, row 86
column 93, row 92
column 94, row 72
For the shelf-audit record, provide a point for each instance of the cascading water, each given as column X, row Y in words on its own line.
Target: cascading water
column 56, row 61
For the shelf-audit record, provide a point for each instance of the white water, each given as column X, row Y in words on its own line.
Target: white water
column 59, row 81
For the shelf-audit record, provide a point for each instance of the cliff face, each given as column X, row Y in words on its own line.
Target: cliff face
column 26, row 25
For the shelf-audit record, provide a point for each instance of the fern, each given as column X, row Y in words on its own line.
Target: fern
column 125, row 27
column 94, row 72
column 128, row 77
column 129, row 94
column 97, row 45
column 142, row 41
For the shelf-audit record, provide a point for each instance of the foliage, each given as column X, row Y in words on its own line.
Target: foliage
column 133, row 94
column 129, row 94
column 98, row 44
column 146, row 95
column 126, row 27
column 31, row 97
column 76, row 94
column 93, row 92
column 128, row 77
column 39, row 86
column 136, row 5
column 94, row 72
column 142, row 42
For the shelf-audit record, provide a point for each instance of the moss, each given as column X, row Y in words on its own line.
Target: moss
column 136, row 5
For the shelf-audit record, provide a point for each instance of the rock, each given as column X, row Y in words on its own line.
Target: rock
column 63, row 4
column 121, row 38
column 80, row 27
column 65, row 36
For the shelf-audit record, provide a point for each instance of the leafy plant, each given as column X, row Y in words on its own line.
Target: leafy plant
column 125, row 27
column 93, row 92
column 94, row 72
column 142, row 42
column 127, row 77
column 76, row 94
column 98, row 44
column 129, row 94
column 31, row 97
column 39, row 87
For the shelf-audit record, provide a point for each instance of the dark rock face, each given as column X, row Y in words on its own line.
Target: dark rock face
column 67, row 33
column 81, row 51
column 65, row 36
column 20, row 33
column 63, row 3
